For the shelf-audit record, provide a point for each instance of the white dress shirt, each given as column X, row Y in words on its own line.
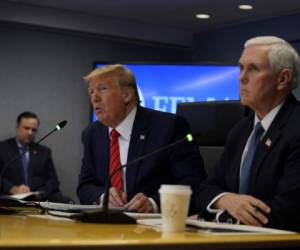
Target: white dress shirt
column 125, row 130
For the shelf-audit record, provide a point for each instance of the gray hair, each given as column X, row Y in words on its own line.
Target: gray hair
column 282, row 55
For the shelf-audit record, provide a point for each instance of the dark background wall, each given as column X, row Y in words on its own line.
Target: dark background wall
column 41, row 70
column 226, row 43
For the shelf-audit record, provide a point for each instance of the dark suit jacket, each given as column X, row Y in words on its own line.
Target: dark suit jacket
column 181, row 164
column 41, row 176
column 275, row 175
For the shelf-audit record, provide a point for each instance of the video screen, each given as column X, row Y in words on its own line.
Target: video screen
column 162, row 86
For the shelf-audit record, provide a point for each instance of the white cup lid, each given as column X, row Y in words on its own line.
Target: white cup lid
column 180, row 189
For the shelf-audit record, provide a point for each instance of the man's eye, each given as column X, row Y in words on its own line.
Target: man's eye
column 102, row 88
column 254, row 68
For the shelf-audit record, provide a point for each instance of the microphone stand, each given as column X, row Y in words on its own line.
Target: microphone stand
column 106, row 215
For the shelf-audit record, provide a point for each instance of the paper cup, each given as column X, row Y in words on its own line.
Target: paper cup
column 174, row 202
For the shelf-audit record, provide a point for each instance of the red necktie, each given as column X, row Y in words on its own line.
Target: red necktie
column 116, row 180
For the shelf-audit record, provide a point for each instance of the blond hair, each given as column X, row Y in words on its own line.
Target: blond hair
column 124, row 76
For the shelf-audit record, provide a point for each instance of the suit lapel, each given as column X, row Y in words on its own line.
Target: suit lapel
column 270, row 139
column 136, row 147
column 33, row 162
column 18, row 164
column 234, row 185
column 101, row 145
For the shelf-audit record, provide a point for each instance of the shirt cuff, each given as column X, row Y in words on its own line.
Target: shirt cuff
column 101, row 199
column 154, row 206
column 213, row 210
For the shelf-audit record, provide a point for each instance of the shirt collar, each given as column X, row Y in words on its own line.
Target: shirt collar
column 125, row 127
column 20, row 145
column 268, row 119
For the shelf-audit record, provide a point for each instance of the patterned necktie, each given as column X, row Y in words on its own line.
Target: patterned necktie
column 115, row 163
column 25, row 162
column 246, row 166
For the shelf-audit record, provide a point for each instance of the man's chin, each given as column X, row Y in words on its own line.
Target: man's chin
column 244, row 100
column 28, row 142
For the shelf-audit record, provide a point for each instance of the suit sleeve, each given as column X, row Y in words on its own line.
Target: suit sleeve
column 285, row 205
column 50, row 184
column 5, row 184
column 217, row 183
column 89, row 189
column 283, row 163
column 211, row 188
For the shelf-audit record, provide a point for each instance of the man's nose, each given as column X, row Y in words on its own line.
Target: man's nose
column 31, row 131
column 243, row 76
column 95, row 98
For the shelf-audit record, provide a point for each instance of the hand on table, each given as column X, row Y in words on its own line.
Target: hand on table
column 245, row 208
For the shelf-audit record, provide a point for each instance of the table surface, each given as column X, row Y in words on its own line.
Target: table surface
column 31, row 232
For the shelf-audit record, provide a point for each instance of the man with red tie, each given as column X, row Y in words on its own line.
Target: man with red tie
column 125, row 131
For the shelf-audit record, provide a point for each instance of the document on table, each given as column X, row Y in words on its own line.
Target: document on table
column 17, row 200
column 217, row 228
column 54, row 217
column 143, row 215
column 67, row 207
column 22, row 196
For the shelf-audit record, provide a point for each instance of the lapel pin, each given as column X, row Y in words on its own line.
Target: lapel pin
column 142, row 137
column 34, row 152
column 268, row 142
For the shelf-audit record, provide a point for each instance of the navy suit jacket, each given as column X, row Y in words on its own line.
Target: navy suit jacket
column 181, row 164
column 41, row 172
column 275, row 174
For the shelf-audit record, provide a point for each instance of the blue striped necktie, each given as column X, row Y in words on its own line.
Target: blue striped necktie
column 25, row 162
column 247, row 164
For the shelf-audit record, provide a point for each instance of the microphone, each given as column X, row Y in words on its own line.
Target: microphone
column 59, row 126
column 115, row 216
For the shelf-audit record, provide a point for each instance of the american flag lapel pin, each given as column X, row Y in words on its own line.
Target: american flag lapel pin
column 268, row 142
column 142, row 137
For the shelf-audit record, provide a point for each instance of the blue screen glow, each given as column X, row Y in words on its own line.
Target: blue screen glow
column 162, row 86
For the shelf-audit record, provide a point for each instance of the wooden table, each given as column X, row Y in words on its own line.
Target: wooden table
column 23, row 232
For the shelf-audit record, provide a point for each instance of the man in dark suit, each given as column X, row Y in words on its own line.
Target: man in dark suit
column 34, row 170
column 257, row 181
column 114, row 97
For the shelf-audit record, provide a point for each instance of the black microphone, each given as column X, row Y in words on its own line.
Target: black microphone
column 115, row 216
column 59, row 126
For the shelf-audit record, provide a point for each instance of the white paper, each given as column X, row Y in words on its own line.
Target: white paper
column 217, row 228
column 143, row 215
column 20, row 196
column 51, row 217
column 66, row 206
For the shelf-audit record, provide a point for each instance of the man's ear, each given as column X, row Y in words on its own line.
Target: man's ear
column 128, row 94
column 284, row 79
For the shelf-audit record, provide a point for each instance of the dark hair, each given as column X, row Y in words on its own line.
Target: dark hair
column 27, row 114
